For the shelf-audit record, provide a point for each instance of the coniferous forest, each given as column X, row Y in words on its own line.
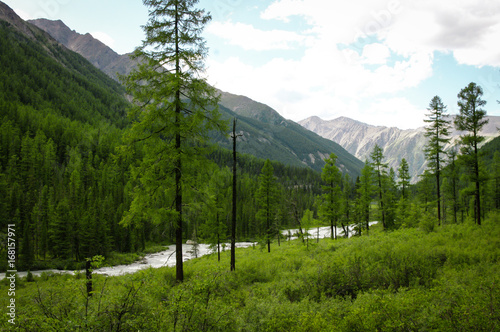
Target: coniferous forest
column 94, row 172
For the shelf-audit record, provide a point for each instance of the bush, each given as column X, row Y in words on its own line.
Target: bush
column 408, row 279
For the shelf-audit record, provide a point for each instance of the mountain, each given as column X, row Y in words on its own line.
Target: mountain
column 360, row 138
column 265, row 133
column 96, row 52
column 39, row 72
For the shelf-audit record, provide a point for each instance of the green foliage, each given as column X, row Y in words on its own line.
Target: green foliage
column 471, row 120
column 380, row 177
column 331, row 205
column 446, row 280
column 267, row 196
column 174, row 111
column 60, row 123
column 437, row 132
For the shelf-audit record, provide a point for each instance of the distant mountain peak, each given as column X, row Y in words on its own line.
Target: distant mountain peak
column 98, row 53
column 7, row 14
column 359, row 139
column 249, row 108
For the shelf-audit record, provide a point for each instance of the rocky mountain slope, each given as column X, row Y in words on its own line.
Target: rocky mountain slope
column 360, row 138
column 96, row 52
column 266, row 134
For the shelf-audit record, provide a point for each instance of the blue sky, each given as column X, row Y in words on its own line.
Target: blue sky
column 376, row 61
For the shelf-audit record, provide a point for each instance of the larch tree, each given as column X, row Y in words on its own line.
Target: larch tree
column 215, row 228
column 437, row 133
column 174, row 109
column 307, row 222
column 346, row 200
column 364, row 191
column 331, row 207
column 380, row 171
column 404, row 183
column 390, row 194
column 452, row 182
column 404, row 177
column 267, row 197
column 495, row 177
column 471, row 119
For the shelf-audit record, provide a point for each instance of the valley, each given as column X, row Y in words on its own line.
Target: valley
column 327, row 225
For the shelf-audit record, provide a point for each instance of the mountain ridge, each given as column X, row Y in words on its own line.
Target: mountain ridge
column 95, row 51
column 359, row 139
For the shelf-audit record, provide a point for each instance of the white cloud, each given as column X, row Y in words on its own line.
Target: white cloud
column 104, row 38
column 468, row 28
column 250, row 38
column 359, row 57
column 394, row 112
column 24, row 15
column 376, row 54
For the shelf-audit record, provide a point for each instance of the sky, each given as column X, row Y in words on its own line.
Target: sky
column 376, row 61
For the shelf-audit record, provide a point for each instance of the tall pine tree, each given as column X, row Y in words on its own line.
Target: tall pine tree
column 437, row 132
column 267, row 198
column 471, row 119
column 380, row 170
column 174, row 110
column 331, row 207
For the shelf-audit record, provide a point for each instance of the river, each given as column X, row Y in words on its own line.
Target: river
column 167, row 257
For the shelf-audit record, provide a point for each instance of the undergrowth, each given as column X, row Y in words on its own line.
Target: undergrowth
column 412, row 279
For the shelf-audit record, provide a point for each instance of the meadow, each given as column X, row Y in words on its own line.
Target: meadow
column 410, row 279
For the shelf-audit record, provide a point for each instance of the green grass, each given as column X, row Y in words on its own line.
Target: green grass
column 444, row 280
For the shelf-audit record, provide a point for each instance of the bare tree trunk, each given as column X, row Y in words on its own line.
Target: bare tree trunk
column 88, row 274
column 178, row 164
column 233, row 223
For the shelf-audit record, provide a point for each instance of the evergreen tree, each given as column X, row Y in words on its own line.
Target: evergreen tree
column 471, row 119
column 331, row 207
column 380, row 170
column 365, row 191
column 496, row 180
column 404, row 177
column 451, row 184
column 404, row 182
column 346, row 199
column 235, row 201
column 437, row 133
column 390, row 197
column 174, row 109
column 215, row 229
column 267, row 199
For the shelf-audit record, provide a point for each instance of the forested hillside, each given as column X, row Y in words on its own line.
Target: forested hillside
column 61, row 121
